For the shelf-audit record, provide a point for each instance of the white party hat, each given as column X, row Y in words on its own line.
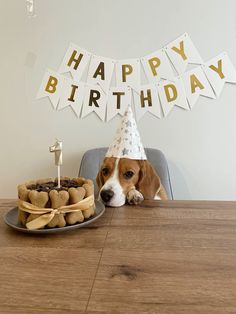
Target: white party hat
column 127, row 142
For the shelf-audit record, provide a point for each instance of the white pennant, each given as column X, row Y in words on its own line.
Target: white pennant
column 94, row 100
column 75, row 61
column 146, row 100
column 219, row 71
column 118, row 100
column 51, row 87
column 128, row 73
column 100, row 72
column 172, row 93
column 196, row 84
column 157, row 66
column 182, row 51
column 72, row 95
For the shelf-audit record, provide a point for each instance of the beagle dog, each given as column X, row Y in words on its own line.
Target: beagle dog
column 122, row 180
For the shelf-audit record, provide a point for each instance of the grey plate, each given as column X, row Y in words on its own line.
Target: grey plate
column 11, row 219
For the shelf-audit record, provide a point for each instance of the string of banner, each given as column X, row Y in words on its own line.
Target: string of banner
column 164, row 90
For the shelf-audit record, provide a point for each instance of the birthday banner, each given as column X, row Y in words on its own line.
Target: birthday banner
column 106, row 86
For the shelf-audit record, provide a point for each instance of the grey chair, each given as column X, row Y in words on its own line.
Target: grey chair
column 92, row 159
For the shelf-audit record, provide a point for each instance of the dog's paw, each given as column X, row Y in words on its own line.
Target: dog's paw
column 134, row 197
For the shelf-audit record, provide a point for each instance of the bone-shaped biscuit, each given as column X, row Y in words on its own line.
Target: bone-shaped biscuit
column 89, row 181
column 38, row 199
column 89, row 212
column 89, row 189
column 79, row 180
column 57, row 221
column 23, row 193
column 58, row 199
column 76, row 194
column 73, row 218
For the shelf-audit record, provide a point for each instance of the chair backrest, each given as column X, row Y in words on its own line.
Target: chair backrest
column 92, row 160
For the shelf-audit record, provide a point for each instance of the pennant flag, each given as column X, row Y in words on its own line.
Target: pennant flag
column 94, row 100
column 196, row 84
column 118, row 100
column 172, row 93
column 220, row 70
column 182, row 51
column 146, row 100
column 128, row 73
column 51, row 87
column 100, row 72
column 157, row 66
column 162, row 93
column 75, row 61
column 72, row 95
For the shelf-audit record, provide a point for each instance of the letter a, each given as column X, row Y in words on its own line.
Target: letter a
column 100, row 71
column 195, row 83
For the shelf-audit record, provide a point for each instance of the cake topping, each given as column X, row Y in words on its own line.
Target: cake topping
column 48, row 186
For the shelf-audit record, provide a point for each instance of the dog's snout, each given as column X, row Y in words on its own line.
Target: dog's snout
column 106, row 195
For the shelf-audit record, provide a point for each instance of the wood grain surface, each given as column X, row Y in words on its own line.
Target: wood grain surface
column 161, row 257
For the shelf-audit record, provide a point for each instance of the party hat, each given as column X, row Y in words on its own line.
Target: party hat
column 127, row 142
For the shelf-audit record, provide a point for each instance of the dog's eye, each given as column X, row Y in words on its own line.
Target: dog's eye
column 128, row 174
column 105, row 171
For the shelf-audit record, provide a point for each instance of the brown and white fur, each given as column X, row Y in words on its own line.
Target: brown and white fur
column 122, row 180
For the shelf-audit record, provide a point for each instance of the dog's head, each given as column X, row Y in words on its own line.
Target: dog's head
column 118, row 176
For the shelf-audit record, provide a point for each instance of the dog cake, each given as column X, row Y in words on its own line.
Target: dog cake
column 42, row 204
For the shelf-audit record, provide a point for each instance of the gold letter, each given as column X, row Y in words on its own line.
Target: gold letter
column 167, row 92
column 72, row 95
column 118, row 94
column 100, row 71
column 51, row 85
column 73, row 59
column 180, row 50
column 92, row 98
column 195, row 83
column 126, row 70
column 219, row 69
column 148, row 98
column 154, row 63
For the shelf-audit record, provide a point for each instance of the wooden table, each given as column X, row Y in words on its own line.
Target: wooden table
column 162, row 257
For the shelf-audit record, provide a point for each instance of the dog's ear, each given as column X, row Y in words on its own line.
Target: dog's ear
column 149, row 182
column 99, row 179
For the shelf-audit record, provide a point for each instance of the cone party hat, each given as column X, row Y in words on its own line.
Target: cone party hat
column 127, row 142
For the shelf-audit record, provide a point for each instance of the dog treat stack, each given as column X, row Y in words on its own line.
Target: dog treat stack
column 42, row 204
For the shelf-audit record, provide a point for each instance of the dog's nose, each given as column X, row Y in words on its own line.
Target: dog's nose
column 106, row 195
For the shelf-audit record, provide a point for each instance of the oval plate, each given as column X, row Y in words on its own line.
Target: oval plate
column 11, row 219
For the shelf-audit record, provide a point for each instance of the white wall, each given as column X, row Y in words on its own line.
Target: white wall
column 200, row 145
